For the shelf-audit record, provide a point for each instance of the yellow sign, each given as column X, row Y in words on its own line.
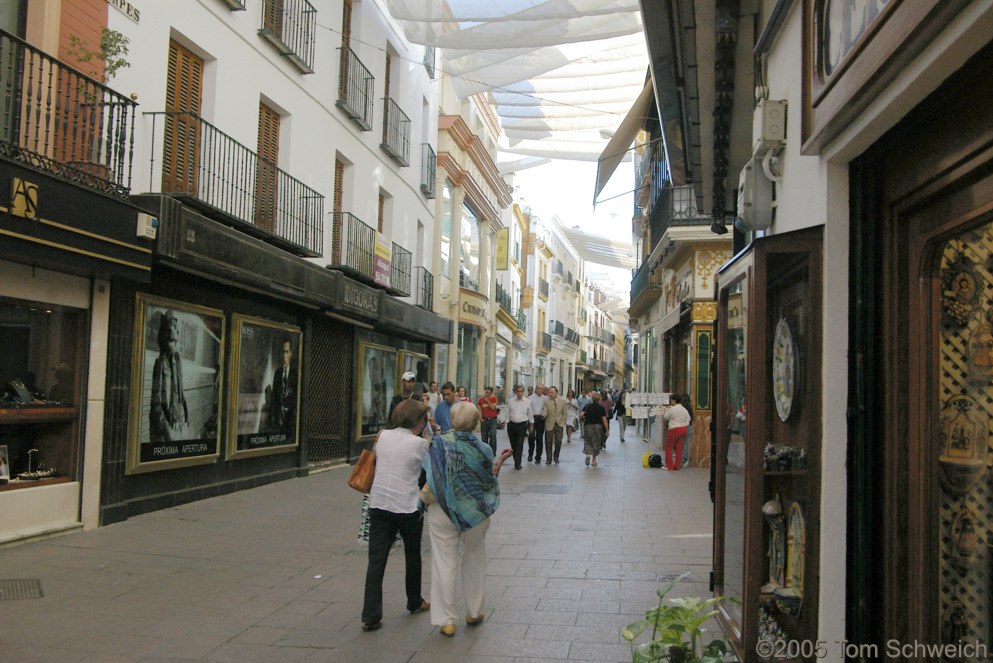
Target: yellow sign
column 24, row 199
column 503, row 248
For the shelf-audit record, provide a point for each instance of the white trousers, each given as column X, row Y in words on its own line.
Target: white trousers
column 445, row 540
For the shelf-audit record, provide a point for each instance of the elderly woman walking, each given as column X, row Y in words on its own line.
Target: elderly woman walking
column 595, row 424
column 393, row 507
column 462, row 476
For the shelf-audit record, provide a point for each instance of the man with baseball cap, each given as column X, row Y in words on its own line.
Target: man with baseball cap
column 406, row 390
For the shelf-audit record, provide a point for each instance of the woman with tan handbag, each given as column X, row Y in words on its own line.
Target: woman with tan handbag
column 393, row 507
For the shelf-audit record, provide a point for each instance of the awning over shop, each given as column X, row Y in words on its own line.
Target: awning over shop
column 620, row 143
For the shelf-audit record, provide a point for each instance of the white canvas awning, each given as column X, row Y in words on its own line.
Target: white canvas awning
column 560, row 74
column 620, row 143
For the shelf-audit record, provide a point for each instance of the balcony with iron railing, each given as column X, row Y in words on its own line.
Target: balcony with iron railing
column 429, row 61
column 522, row 321
column 572, row 336
column 55, row 119
column 644, row 290
column 556, row 328
column 503, row 298
column 216, row 174
column 466, row 281
column 396, row 132
column 543, row 289
column 290, row 25
column 544, row 343
column 423, row 288
column 354, row 253
column 568, row 278
column 399, row 271
column 610, row 367
column 557, row 268
column 429, row 170
column 355, row 89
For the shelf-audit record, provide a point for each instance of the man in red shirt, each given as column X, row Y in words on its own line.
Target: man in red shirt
column 488, row 423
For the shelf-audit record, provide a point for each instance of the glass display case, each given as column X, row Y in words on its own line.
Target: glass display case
column 40, row 377
column 768, row 428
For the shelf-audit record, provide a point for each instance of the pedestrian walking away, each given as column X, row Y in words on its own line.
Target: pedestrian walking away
column 461, row 474
column 393, row 508
column 596, row 430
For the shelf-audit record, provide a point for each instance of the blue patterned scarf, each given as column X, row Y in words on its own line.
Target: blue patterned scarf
column 459, row 470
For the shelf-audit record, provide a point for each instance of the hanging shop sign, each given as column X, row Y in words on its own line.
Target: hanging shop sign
column 503, row 248
column 472, row 308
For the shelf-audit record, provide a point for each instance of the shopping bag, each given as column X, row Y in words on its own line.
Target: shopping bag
column 364, row 472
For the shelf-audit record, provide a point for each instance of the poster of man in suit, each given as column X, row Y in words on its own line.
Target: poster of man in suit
column 265, row 358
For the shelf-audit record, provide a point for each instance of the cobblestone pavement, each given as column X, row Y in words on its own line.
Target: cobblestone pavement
column 276, row 573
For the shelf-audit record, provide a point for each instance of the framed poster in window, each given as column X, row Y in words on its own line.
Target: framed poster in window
column 377, row 374
column 414, row 362
column 264, row 406
column 175, row 385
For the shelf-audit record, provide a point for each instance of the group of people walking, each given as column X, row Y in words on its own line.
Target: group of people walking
column 431, row 465
column 451, row 481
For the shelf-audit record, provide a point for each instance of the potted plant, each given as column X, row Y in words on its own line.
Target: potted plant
column 677, row 630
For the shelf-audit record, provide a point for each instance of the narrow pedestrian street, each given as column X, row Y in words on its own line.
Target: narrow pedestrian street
column 276, row 573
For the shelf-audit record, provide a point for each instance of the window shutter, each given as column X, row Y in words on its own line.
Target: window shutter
column 265, row 186
column 339, row 190
column 346, row 44
column 181, row 134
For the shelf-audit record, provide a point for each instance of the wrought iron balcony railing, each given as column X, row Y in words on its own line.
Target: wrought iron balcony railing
column 357, row 243
column 558, row 269
column 572, row 336
column 465, row 281
column 644, row 290
column 522, row 321
column 568, row 278
column 219, row 175
column 543, row 288
column 58, row 120
column 556, row 328
column 429, row 169
column 290, row 26
column 400, row 270
column 396, row 132
column 429, row 61
column 355, row 89
column 423, row 288
column 544, row 342
column 503, row 297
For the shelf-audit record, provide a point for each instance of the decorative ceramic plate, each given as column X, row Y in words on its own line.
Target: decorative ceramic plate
column 784, row 369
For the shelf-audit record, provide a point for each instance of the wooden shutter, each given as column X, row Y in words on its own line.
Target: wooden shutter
column 273, row 19
column 346, row 44
column 265, row 185
column 181, row 145
column 339, row 191
column 379, row 217
column 386, row 106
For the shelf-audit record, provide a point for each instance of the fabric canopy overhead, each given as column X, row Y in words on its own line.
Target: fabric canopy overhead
column 620, row 143
column 560, row 74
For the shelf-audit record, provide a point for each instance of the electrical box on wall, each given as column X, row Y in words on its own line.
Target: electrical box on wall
column 768, row 126
column 148, row 226
column 754, row 196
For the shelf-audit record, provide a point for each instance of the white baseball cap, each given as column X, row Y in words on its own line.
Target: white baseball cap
column 408, row 376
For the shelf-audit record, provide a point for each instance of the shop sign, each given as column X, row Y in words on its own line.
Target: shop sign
column 126, row 8
column 359, row 298
column 472, row 308
column 382, row 266
column 503, row 248
column 50, row 223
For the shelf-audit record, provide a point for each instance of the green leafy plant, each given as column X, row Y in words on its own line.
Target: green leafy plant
column 112, row 51
column 677, row 630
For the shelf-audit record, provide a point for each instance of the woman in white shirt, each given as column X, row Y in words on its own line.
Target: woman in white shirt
column 393, row 507
column 677, row 420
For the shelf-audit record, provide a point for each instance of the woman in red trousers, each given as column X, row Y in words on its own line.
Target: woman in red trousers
column 677, row 421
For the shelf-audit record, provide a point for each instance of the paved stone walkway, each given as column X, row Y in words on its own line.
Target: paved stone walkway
column 275, row 574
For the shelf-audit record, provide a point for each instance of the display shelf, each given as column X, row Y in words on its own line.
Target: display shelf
column 33, row 415
column 786, row 473
column 17, row 484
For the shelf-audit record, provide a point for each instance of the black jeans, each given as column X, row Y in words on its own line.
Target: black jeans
column 383, row 528
column 536, row 439
column 487, row 431
column 517, row 432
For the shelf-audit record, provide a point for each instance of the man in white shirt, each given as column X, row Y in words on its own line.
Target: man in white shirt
column 519, row 420
column 536, row 436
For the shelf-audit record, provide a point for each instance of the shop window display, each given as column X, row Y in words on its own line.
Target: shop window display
column 39, row 392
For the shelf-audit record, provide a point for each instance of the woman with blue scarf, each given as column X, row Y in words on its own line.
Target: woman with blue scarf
column 462, row 475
